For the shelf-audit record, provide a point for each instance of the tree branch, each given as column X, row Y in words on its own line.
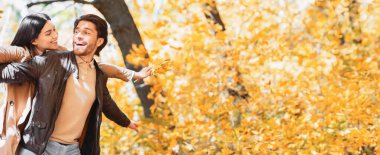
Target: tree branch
column 83, row 2
column 53, row 1
column 44, row 2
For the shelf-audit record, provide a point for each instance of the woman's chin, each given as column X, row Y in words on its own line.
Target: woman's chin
column 54, row 47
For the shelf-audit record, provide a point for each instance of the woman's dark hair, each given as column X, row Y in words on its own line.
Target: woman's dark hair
column 101, row 28
column 29, row 29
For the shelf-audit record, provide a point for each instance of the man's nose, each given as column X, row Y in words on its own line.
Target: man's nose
column 78, row 35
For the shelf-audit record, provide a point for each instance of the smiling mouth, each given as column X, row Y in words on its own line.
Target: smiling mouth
column 80, row 44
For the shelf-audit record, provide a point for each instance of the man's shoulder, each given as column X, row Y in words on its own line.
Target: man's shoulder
column 57, row 54
column 99, row 70
column 52, row 57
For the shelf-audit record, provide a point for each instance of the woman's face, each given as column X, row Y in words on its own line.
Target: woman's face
column 47, row 39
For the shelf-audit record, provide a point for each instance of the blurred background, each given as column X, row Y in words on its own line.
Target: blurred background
column 234, row 76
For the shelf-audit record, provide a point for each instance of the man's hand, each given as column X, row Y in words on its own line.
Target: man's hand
column 133, row 126
column 143, row 73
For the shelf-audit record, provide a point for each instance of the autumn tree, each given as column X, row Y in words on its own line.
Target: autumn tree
column 290, row 77
column 126, row 34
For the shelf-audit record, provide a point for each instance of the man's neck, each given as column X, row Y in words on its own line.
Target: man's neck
column 85, row 58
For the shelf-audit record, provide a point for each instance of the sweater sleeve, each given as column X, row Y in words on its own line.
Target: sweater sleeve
column 114, row 71
column 13, row 54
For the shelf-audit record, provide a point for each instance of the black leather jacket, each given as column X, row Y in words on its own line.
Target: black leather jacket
column 50, row 72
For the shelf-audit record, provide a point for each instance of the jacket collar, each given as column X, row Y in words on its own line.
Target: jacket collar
column 74, row 69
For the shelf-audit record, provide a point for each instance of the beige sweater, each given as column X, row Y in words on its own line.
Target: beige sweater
column 77, row 101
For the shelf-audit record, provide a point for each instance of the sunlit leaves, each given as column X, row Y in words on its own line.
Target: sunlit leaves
column 138, row 56
column 160, row 66
column 282, row 79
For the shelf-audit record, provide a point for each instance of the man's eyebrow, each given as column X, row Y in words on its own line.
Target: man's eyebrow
column 86, row 29
column 89, row 29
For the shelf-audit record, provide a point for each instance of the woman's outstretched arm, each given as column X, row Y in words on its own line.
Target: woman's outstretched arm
column 114, row 71
column 10, row 54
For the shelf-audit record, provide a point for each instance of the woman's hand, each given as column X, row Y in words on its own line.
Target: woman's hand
column 143, row 73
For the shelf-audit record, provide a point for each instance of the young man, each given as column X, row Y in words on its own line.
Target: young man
column 71, row 94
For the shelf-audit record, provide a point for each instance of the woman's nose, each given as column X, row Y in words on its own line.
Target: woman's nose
column 55, row 35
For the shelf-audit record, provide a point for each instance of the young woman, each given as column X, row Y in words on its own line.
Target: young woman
column 35, row 35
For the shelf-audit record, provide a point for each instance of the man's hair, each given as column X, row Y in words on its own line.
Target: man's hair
column 29, row 29
column 101, row 28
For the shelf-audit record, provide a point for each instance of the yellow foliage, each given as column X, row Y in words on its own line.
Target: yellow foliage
column 284, row 78
column 138, row 56
column 160, row 66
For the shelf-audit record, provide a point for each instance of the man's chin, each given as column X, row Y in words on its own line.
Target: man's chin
column 78, row 51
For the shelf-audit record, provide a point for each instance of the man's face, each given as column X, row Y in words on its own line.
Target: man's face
column 86, row 41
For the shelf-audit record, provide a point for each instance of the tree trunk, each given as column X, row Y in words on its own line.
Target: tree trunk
column 212, row 14
column 354, row 21
column 126, row 33
column 238, row 91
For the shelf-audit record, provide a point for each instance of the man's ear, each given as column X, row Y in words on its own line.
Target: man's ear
column 99, row 42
